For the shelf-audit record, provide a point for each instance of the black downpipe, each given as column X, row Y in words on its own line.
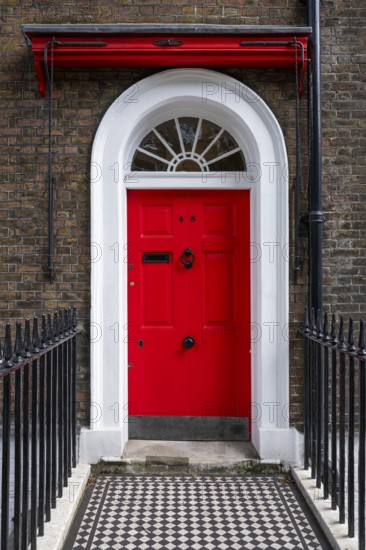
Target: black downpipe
column 316, row 217
column 51, row 181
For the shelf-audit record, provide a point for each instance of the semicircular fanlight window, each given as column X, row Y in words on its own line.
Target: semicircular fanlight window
column 188, row 144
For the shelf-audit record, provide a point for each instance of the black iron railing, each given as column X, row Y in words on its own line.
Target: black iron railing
column 37, row 390
column 335, row 417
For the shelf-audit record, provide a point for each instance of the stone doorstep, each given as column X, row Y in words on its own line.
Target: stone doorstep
column 167, row 461
column 214, row 453
column 181, row 465
column 328, row 519
column 62, row 517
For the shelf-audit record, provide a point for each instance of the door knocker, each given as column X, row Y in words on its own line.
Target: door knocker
column 187, row 258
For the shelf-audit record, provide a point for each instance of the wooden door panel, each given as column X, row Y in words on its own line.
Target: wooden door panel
column 219, row 291
column 157, row 288
column 156, row 219
column 219, row 220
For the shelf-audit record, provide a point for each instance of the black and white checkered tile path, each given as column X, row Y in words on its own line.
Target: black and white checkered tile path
column 194, row 513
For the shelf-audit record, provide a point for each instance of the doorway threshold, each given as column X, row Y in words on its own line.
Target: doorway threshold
column 210, row 453
column 149, row 457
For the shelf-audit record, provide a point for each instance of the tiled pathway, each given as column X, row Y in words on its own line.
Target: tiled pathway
column 189, row 512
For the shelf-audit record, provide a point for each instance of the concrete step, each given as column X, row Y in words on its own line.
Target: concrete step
column 179, row 457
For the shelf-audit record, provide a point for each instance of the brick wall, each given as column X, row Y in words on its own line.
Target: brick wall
column 82, row 97
column 344, row 58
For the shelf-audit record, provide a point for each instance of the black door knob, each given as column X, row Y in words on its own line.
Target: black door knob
column 188, row 342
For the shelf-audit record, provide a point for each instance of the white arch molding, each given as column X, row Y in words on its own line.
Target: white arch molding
column 227, row 102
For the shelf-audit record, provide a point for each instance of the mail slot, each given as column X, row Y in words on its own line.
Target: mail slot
column 156, row 258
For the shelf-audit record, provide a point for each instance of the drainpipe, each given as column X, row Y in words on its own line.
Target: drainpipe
column 316, row 217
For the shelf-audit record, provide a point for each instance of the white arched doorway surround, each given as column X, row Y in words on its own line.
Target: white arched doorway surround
column 229, row 103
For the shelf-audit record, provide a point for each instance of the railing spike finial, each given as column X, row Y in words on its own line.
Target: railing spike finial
column 75, row 321
column 18, row 343
column 325, row 327
column 333, row 329
column 69, row 319
column 319, row 333
column 8, row 350
column 35, row 336
column 361, row 341
column 43, row 333
column 49, row 330
column 312, row 322
column 306, row 321
column 351, row 339
column 60, row 325
column 65, row 323
column 27, row 345
column 55, row 328
column 341, row 344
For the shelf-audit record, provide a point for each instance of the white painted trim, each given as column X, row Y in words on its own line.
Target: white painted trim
column 336, row 533
column 56, row 531
column 193, row 180
column 229, row 103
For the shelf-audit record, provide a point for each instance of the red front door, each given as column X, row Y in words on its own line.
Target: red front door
column 188, row 304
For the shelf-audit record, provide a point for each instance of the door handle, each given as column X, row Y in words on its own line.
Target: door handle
column 188, row 342
column 187, row 258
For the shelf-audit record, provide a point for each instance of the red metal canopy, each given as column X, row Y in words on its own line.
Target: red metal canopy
column 136, row 46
